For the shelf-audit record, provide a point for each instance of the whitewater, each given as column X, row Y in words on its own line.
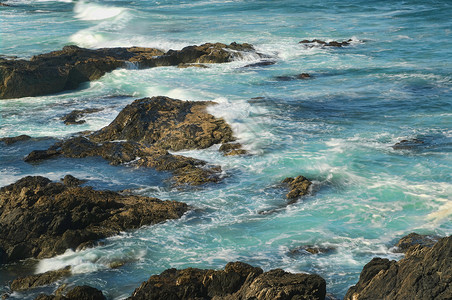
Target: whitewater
column 392, row 83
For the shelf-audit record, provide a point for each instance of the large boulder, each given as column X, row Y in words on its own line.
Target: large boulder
column 413, row 239
column 424, row 273
column 66, row 69
column 299, row 186
column 40, row 218
column 237, row 281
column 145, row 130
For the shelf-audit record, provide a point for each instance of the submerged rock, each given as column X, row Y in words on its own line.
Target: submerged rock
column 142, row 133
column 66, row 69
column 290, row 78
column 413, row 239
column 327, row 44
column 33, row 281
column 299, row 186
column 237, row 281
column 83, row 292
column 73, row 118
column 40, row 218
column 306, row 250
column 424, row 273
column 15, row 139
column 408, row 144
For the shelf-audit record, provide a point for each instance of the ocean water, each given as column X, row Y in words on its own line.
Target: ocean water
column 393, row 82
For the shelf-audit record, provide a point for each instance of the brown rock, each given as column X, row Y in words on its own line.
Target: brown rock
column 302, row 250
column 15, row 139
column 327, row 44
column 237, row 281
column 424, row 273
column 408, row 144
column 40, row 218
column 230, row 149
column 77, row 293
column 299, row 186
column 33, row 281
column 66, row 69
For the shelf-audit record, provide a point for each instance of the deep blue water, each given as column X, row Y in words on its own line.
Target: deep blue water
column 393, row 82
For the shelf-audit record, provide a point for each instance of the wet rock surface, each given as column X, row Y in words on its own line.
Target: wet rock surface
column 33, row 281
column 73, row 118
column 413, row 239
column 237, row 281
column 308, row 250
column 15, row 139
column 66, row 69
column 295, row 77
column 326, row 44
column 424, row 273
column 408, row 144
column 299, row 186
column 230, row 149
column 83, row 292
column 145, row 130
column 40, row 218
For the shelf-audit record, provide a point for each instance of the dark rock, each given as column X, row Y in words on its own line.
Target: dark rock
column 4, row 4
column 37, row 155
column 303, row 76
column 230, row 149
column 424, row 273
column 408, row 144
column 237, row 281
column 327, row 44
column 299, row 186
column 303, row 250
column 77, row 293
column 33, row 281
column 183, row 66
column 15, row 139
column 70, row 180
column 66, row 69
column 74, row 116
column 40, row 218
column 3, row 256
column 143, row 132
column 414, row 239
column 260, row 64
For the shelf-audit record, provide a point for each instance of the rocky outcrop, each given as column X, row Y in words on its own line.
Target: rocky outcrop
column 326, row 44
column 40, row 218
column 413, row 239
column 298, row 186
column 66, row 69
column 33, row 281
column 237, row 281
column 15, row 139
column 73, row 118
column 424, row 273
column 145, row 130
column 307, row 250
column 83, row 292
column 230, row 149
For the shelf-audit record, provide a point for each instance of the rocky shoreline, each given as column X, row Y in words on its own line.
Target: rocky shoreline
column 66, row 69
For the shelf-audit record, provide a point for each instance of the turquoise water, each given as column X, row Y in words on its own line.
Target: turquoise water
column 393, row 82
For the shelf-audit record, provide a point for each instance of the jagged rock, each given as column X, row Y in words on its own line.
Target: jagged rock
column 33, row 281
column 230, row 149
column 327, row 44
column 408, row 144
column 299, row 186
column 83, row 292
column 237, row 281
column 413, row 239
column 143, row 132
column 260, row 64
column 15, row 139
column 40, row 218
column 73, row 118
column 66, row 69
column 424, row 273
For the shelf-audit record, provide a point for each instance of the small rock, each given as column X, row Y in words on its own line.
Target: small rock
column 184, row 66
column 408, row 144
column 299, row 186
column 303, row 250
column 15, row 139
column 37, row 155
column 230, row 149
column 73, row 117
column 303, row 76
column 260, row 64
column 327, row 44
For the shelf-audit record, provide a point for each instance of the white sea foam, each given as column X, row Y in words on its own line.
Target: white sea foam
column 93, row 12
